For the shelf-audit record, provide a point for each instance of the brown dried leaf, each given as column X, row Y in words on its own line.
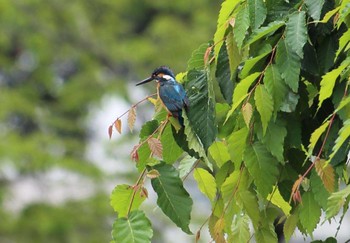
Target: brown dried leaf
column 144, row 192
column 232, row 22
column 156, row 147
column 152, row 174
column 198, row 235
column 295, row 190
column 110, row 131
column 132, row 117
column 207, row 54
column 247, row 111
column 326, row 173
column 134, row 153
column 219, row 231
column 118, row 125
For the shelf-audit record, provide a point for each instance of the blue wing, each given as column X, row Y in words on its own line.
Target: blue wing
column 173, row 96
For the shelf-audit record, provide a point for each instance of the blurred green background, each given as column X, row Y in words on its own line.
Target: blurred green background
column 67, row 70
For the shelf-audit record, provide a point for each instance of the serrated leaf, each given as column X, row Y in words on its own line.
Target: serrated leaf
column 275, row 85
column 241, row 25
column 329, row 15
column 316, row 135
column 289, row 64
column 264, row 105
column 250, row 63
column 240, row 92
column 197, row 58
column 247, row 112
column 156, row 147
column 343, row 135
column 328, row 82
column 219, row 230
column 236, row 143
column 148, row 128
column 185, row 165
column 314, row 8
column 266, row 233
column 223, row 75
column 219, row 152
column 136, row 228
column 173, row 199
column 206, row 183
column 171, row 151
column 274, row 138
column 110, row 131
column 277, row 199
column 296, row 32
column 289, row 226
column 131, row 118
column 234, row 53
column 202, row 103
column 257, row 13
column 118, row 125
column 262, row 166
column 335, row 201
column 229, row 185
column 250, row 205
column 326, row 174
column 343, row 43
column 123, row 196
column 310, row 212
column 319, row 191
column 240, row 229
column 263, row 31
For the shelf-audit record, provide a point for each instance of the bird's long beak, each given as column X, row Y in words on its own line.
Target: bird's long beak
column 145, row 81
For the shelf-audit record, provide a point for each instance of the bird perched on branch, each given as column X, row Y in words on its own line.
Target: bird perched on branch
column 171, row 93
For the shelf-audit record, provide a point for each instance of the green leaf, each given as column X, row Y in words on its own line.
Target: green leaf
column 288, row 63
column 226, row 10
column 240, row 92
column 219, row 152
column 262, row 166
column 265, row 30
column 316, row 135
column 250, row 205
column 274, row 138
column 186, row 165
column 310, row 212
column 171, row 151
column 266, row 233
column 343, row 135
column 289, row 226
column 277, row 199
column 229, row 185
column 241, row 25
column 275, row 85
column 121, row 198
column 328, row 82
column 329, row 15
column 320, row 193
column 202, row 103
column 257, row 13
column 296, row 32
column 264, row 105
column 343, row 43
column 236, row 145
column 206, row 183
column 234, row 53
column 173, row 199
column 223, row 75
column 335, row 201
column 197, row 58
column 250, row 63
column 136, row 228
column 314, row 8
column 148, row 128
column 240, row 229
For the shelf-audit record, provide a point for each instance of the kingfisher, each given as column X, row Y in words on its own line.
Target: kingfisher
column 171, row 93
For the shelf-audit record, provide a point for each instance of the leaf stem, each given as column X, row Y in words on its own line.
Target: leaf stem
column 136, row 188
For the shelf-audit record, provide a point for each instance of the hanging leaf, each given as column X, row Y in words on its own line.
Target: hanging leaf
column 247, row 112
column 152, row 174
column 241, row 25
column 263, row 31
column 310, row 212
column 156, row 147
column 237, row 142
column 276, row 198
column 262, row 166
column 196, row 61
column 124, row 196
column 173, row 199
column 135, row 228
column 264, row 105
column 288, row 63
column 185, row 165
column 336, row 201
column 148, row 128
column 132, row 117
column 257, row 13
column 206, row 183
column 326, row 174
column 319, row 191
column 290, row 226
column 110, row 131
column 250, row 63
column 250, row 205
column 343, row 135
column 343, row 43
column 223, row 75
column 234, row 53
column 314, row 8
column 202, row 112
column 219, row 152
column 296, row 32
column 266, row 233
column 118, row 125
column 240, row 229
column 219, row 230
column 171, row 151
column 316, row 135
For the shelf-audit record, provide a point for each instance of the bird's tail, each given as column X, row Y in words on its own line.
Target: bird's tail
column 178, row 115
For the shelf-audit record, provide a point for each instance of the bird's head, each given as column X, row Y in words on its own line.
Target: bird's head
column 160, row 74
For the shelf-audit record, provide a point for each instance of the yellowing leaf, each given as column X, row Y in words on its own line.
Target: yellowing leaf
column 131, row 117
column 206, row 183
column 277, row 199
column 156, row 147
column 316, row 135
column 344, row 133
column 118, row 125
column 326, row 173
column 153, row 100
column 219, row 230
column 247, row 111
